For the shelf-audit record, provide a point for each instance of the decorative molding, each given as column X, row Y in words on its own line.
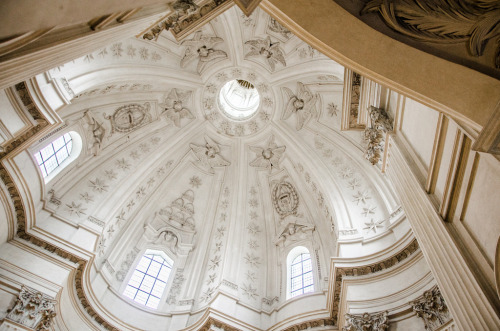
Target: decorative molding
column 187, row 17
column 469, row 22
column 376, row 134
column 432, row 308
column 340, row 272
column 110, row 89
column 269, row 51
column 302, row 104
column 247, row 6
column 33, row 309
column 322, row 322
column 367, row 322
column 201, row 47
column 268, row 157
column 211, row 323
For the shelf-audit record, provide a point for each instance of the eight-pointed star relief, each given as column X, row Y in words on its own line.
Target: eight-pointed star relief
column 268, row 157
column 209, row 155
column 201, row 47
column 269, row 51
column 174, row 106
column 303, row 105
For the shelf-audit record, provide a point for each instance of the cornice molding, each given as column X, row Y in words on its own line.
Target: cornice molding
column 363, row 270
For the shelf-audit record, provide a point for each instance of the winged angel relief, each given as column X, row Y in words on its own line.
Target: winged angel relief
column 174, row 106
column 209, row 154
column 201, row 47
column 271, row 52
column 303, row 105
column 268, row 157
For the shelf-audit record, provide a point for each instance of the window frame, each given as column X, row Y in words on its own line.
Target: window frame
column 73, row 155
column 133, row 268
column 292, row 254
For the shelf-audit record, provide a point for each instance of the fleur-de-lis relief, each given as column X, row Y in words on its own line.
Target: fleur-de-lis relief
column 302, row 104
column 271, row 52
column 175, row 106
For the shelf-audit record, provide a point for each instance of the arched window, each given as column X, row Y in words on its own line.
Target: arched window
column 150, row 277
column 58, row 154
column 300, row 272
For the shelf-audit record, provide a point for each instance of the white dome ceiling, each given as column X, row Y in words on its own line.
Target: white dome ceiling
column 159, row 148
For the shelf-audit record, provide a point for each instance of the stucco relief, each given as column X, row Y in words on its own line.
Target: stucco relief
column 33, row 310
column 175, row 106
column 268, row 157
column 432, row 308
column 285, row 198
column 271, row 52
column 209, row 155
column 201, row 48
column 367, row 322
column 302, row 104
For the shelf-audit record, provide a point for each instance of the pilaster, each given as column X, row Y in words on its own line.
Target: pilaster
column 468, row 304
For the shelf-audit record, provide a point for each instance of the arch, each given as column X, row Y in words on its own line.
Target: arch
column 300, row 274
column 58, row 154
column 148, row 282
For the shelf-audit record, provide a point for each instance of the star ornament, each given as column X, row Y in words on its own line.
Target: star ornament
column 268, row 157
column 271, row 52
column 209, row 154
column 174, row 106
column 302, row 104
column 372, row 225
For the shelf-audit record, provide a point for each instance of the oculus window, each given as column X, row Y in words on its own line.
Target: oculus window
column 149, row 280
column 239, row 99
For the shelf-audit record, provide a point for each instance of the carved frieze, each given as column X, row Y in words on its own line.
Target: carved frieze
column 269, row 51
column 129, row 117
column 432, row 308
column 302, row 104
column 285, row 199
column 201, row 48
column 367, row 322
column 186, row 17
column 33, row 309
column 268, row 157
